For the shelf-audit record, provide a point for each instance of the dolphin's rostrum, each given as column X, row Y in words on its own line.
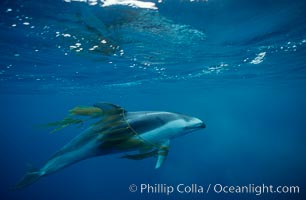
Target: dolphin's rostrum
column 115, row 130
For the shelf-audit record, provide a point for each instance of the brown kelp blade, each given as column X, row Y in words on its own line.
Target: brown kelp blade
column 109, row 122
column 111, row 116
column 63, row 123
column 97, row 110
column 86, row 111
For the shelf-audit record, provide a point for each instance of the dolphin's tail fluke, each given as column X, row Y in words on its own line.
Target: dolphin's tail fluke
column 31, row 177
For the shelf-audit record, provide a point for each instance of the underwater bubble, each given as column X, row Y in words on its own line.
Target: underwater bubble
column 78, row 50
column 92, row 2
column 259, row 58
column 93, row 48
column 66, row 35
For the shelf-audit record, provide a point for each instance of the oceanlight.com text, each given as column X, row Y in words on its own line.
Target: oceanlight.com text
column 256, row 189
column 168, row 189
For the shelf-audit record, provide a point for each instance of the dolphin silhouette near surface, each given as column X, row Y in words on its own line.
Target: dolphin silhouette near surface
column 136, row 135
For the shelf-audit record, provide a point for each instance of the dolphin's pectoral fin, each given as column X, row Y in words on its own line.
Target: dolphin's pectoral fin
column 141, row 155
column 162, row 154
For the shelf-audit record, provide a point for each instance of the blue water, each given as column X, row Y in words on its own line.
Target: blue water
column 240, row 66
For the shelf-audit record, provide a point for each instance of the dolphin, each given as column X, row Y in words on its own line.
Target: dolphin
column 136, row 135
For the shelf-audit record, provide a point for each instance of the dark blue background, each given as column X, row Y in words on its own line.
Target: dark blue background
column 255, row 114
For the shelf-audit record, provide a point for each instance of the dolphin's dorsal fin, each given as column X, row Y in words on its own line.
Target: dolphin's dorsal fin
column 162, row 153
column 109, row 108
